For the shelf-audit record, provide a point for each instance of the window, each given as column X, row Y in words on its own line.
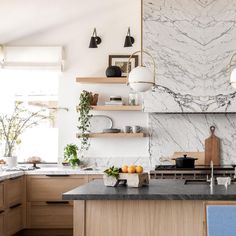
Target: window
column 36, row 85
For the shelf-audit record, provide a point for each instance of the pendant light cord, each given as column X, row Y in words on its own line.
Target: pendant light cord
column 141, row 33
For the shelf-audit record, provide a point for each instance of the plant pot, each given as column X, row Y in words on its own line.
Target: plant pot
column 11, row 162
column 110, row 181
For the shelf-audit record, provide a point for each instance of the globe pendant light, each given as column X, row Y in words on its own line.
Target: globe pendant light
column 232, row 78
column 141, row 79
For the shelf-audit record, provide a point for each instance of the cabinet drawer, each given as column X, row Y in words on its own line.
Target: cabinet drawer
column 14, row 191
column 1, row 196
column 94, row 177
column 50, row 188
column 1, row 223
column 14, row 220
column 56, row 215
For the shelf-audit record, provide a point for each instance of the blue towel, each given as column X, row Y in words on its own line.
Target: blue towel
column 221, row 220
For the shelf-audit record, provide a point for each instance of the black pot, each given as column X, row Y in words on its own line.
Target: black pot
column 185, row 162
column 113, row 71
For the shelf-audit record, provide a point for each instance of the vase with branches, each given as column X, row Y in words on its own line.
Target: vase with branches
column 14, row 125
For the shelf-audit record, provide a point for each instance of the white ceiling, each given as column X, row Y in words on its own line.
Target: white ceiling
column 20, row 18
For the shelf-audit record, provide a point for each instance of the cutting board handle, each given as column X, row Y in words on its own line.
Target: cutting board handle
column 212, row 129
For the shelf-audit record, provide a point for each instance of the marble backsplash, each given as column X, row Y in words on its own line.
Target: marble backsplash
column 187, row 132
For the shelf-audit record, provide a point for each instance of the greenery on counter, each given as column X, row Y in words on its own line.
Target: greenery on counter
column 14, row 125
column 112, row 171
column 71, row 154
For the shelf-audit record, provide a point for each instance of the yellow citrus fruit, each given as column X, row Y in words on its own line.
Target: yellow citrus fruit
column 124, row 169
column 131, row 169
column 139, row 169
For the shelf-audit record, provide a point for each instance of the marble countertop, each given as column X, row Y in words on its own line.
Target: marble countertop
column 48, row 171
column 157, row 190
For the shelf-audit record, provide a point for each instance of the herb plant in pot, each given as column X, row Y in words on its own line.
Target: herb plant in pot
column 71, row 155
column 111, row 176
column 13, row 126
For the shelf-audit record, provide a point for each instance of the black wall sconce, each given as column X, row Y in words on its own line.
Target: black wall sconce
column 95, row 40
column 129, row 40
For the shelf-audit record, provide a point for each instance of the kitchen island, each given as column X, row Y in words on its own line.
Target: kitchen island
column 164, row 208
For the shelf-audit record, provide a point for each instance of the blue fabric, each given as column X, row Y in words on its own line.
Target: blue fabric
column 221, row 220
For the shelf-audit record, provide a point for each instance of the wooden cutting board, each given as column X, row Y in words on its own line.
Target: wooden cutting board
column 199, row 155
column 212, row 148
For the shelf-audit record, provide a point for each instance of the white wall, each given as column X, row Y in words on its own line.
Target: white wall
column 112, row 18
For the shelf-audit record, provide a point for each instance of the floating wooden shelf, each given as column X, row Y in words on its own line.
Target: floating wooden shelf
column 115, row 108
column 101, row 80
column 116, row 135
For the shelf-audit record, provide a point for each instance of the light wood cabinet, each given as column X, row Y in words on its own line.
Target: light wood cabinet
column 1, row 223
column 51, row 188
column 14, row 191
column 14, row 220
column 50, row 215
column 1, row 196
column 94, row 177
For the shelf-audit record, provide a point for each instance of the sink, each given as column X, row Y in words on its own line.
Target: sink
column 196, row 182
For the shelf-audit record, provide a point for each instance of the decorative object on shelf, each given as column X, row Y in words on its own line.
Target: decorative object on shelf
column 115, row 100
column 13, row 126
column 141, row 79
column 85, row 106
column 136, row 129
column 133, row 99
column 232, row 72
column 71, row 154
column 122, row 62
column 98, row 123
column 129, row 40
column 113, row 71
column 127, row 129
column 95, row 40
column 113, row 131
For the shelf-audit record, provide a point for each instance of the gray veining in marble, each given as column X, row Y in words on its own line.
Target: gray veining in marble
column 192, row 42
column 187, row 132
column 157, row 190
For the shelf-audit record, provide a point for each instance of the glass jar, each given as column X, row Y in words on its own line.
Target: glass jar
column 133, row 99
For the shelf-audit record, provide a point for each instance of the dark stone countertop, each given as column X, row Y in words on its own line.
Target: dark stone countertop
column 157, row 190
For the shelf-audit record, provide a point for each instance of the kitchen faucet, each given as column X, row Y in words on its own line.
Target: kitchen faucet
column 212, row 181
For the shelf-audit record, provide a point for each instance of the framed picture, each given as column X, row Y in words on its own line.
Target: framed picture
column 122, row 62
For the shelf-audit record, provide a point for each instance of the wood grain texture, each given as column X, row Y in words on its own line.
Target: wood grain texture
column 115, row 135
column 44, row 188
column 212, row 149
column 1, row 196
column 80, row 218
column 101, row 80
column 1, row 224
column 50, row 216
column 199, row 155
column 14, row 191
column 139, row 218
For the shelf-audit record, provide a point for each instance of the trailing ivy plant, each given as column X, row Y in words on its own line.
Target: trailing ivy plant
column 71, row 154
column 85, row 102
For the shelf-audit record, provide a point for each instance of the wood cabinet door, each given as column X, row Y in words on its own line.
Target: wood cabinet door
column 51, row 188
column 1, row 196
column 49, row 215
column 14, row 219
column 14, row 191
column 94, row 177
column 1, row 223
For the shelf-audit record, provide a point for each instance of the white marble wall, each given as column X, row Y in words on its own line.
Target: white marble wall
column 192, row 42
column 187, row 132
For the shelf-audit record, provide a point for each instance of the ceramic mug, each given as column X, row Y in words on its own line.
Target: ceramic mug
column 127, row 129
column 137, row 129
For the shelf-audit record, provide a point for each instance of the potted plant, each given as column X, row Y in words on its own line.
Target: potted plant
column 87, row 99
column 13, row 126
column 111, row 176
column 71, row 154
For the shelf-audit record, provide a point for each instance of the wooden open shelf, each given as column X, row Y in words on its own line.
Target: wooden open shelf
column 115, row 135
column 115, row 108
column 101, row 80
